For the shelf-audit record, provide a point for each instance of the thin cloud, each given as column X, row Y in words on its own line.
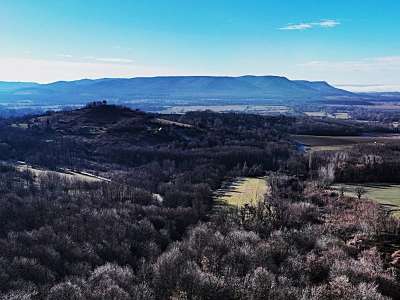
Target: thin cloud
column 374, row 63
column 114, row 60
column 365, row 88
column 328, row 23
column 302, row 26
column 310, row 25
column 361, row 74
column 25, row 69
column 65, row 55
column 122, row 48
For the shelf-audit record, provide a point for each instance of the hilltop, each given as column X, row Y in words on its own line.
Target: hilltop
column 100, row 134
column 10, row 87
column 99, row 123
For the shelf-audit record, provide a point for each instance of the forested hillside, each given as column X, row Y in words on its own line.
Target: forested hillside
column 150, row 231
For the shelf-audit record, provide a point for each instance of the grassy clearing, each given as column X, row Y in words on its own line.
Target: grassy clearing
column 65, row 174
column 342, row 116
column 331, row 148
column 317, row 140
column 385, row 194
column 168, row 122
column 319, row 114
column 323, row 114
column 243, row 191
column 20, row 125
column 325, row 143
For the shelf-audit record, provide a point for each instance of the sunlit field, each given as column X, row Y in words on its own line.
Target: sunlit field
column 323, row 114
column 326, row 143
column 385, row 194
column 243, row 191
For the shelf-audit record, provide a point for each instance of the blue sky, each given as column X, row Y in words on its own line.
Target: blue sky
column 346, row 42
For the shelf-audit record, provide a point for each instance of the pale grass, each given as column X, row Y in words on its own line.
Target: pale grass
column 244, row 191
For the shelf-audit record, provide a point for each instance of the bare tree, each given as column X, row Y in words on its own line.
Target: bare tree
column 360, row 191
column 342, row 190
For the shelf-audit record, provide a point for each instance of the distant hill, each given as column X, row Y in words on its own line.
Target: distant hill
column 324, row 87
column 174, row 88
column 385, row 96
column 6, row 86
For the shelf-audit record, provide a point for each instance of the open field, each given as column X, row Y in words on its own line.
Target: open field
column 256, row 109
column 319, row 114
column 328, row 143
column 322, row 114
column 243, row 191
column 384, row 106
column 20, row 125
column 385, row 194
column 375, row 106
column 342, row 116
column 168, row 122
column 65, row 174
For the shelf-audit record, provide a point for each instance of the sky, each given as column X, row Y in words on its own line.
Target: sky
column 352, row 44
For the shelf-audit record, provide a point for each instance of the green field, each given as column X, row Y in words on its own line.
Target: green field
column 242, row 191
column 386, row 194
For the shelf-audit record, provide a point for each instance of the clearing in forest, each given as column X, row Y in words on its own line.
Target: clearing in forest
column 64, row 174
column 243, row 191
column 386, row 194
column 327, row 143
column 323, row 114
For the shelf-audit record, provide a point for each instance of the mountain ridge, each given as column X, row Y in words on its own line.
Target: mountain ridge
column 8, row 86
column 236, row 88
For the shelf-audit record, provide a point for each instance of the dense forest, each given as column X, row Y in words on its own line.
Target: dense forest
column 150, row 231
